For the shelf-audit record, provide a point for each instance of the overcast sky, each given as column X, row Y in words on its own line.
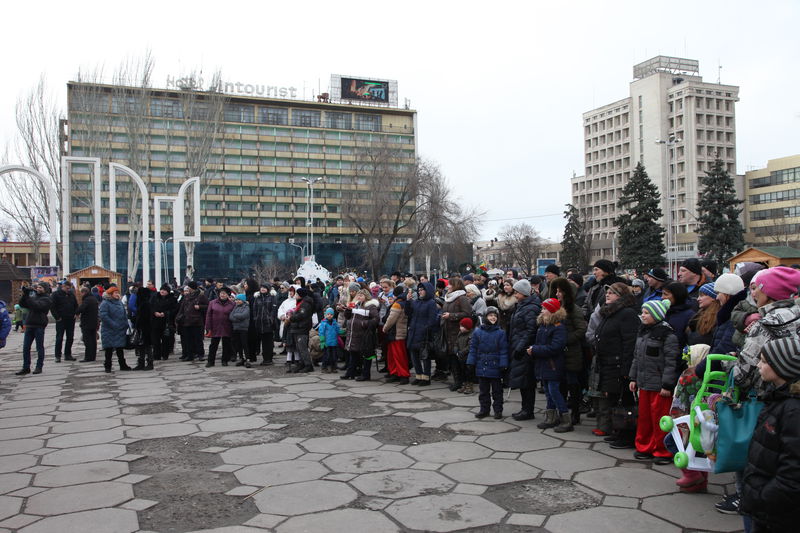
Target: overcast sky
column 499, row 87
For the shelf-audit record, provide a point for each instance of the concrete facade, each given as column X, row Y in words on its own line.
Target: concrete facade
column 772, row 203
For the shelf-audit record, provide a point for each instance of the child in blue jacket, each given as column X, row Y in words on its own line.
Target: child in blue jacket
column 549, row 361
column 329, row 341
column 488, row 355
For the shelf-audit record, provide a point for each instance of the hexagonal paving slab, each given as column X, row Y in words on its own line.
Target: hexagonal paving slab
column 95, row 424
column 489, row 471
column 161, row 431
column 86, row 438
column 569, row 460
column 340, row 444
column 16, row 446
column 350, row 520
column 633, row 482
column 398, row 484
column 83, row 454
column 238, row 423
column 99, row 521
column 696, row 512
column 156, row 419
column 12, row 482
column 367, row 461
column 9, row 506
column 62, row 476
column 518, row 442
column 261, row 453
column 448, row 452
column 449, row 512
column 304, row 498
column 74, row 498
column 444, row 416
column 608, row 520
column 280, row 473
column 15, row 463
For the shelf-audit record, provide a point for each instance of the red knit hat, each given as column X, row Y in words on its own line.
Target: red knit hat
column 466, row 323
column 552, row 305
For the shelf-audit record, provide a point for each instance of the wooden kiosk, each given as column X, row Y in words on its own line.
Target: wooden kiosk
column 95, row 274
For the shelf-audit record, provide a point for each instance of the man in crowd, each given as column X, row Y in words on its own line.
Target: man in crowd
column 38, row 303
column 65, row 305
column 656, row 278
column 691, row 275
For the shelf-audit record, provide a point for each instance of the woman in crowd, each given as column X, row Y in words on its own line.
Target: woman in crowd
column 456, row 306
column 240, row 323
column 362, row 321
column 423, row 326
column 218, row 326
column 564, row 291
column 702, row 325
column 113, row 327
column 395, row 329
column 681, row 309
column 505, row 302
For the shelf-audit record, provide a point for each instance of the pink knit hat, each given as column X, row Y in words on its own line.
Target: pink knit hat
column 779, row 283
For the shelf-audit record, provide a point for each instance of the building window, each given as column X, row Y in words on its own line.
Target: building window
column 306, row 117
column 339, row 121
column 239, row 113
column 273, row 115
column 368, row 122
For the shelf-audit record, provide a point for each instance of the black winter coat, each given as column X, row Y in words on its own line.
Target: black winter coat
column 144, row 318
column 678, row 316
column 521, row 334
column 596, row 293
column 90, row 319
column 423, row 319
column 771, row 483
column 264, row 312
column 614, row 343
column 162, row 304
column 301, row 321
column 65, row 305
column 38, row 306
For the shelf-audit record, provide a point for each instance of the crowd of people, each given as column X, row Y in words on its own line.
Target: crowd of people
column 598, row 346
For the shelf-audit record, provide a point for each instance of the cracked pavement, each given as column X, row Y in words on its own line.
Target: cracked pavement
column 228, row 449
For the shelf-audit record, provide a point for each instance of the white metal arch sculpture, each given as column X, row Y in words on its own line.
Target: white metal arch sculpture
column 178, row 224
column 66, row 207
column 52, row 210
column 112, row 218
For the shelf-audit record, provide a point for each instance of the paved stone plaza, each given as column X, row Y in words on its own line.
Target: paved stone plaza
column 227, row 449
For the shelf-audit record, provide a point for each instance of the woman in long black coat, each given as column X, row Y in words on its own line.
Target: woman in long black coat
column 614, row 342
column 521, row 334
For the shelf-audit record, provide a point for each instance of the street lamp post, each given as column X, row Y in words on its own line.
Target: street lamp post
column 667, row 191
column 311, row 182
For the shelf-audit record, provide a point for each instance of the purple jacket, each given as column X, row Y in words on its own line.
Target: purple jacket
column 218, row 320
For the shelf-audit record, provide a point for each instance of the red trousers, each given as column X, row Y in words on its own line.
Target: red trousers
column 649, row 437
column 397, row 358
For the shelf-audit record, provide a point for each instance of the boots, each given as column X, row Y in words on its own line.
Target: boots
column 139, row 358
column 700, row 486
column 566, row 423
column 148, row 355
column 550, row 420
column 469, row 388
column 122, row 364
column 576, row 417
column 690, row 478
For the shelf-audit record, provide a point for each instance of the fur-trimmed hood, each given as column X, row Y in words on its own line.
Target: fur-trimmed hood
column 551, row 319
column 451, row 296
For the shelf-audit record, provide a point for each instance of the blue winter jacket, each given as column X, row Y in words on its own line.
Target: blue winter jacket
column 113, row 323
column 488, row 351
column 5, row 323
column 549, row 351
column 424, row 318
column 329, row 332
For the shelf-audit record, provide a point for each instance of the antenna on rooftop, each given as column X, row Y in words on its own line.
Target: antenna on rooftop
column 719, row 73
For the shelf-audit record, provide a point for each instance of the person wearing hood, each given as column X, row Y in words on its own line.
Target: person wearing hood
column 478, row 302
column 38, row 303
column 265, row 314
column 548, row 354
column 488, row 356
column 771, row 481
column 240, row 324
column 423, row 327
column 218, row 326
column 604, row 276
column 90, row 321
column 654, row 372
column 395, row 329
column 456, row 306
column 113, row 327
column 361, row 342
column 746, row 310
column 521, row 334
column 163, row 307
column 681, row 309
column 506, row 302
column 300, row 324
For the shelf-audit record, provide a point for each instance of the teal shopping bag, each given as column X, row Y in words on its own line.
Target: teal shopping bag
column 736, row 424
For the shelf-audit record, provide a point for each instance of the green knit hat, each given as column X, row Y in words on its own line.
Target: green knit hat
column 657, row 309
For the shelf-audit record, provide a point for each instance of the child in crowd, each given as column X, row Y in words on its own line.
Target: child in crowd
column 19, row 318
column 465, row 330
column 771, row 482
column 240, row 320
column 329, row 341
column 488, row 359
column 654, row 372
column 549, row 362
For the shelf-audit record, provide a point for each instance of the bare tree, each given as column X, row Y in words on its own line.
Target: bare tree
column 397, row 200
column 38, row 145
column 265, row 272
column 523, row 244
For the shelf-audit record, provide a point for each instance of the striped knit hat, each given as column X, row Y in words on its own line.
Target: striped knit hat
column 708, row 290
column 657, row 309
column 783, row 355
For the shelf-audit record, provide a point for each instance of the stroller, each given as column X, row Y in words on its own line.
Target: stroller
column 700, row 421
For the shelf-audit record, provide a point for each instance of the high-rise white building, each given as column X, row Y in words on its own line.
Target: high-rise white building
column 675, row 124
